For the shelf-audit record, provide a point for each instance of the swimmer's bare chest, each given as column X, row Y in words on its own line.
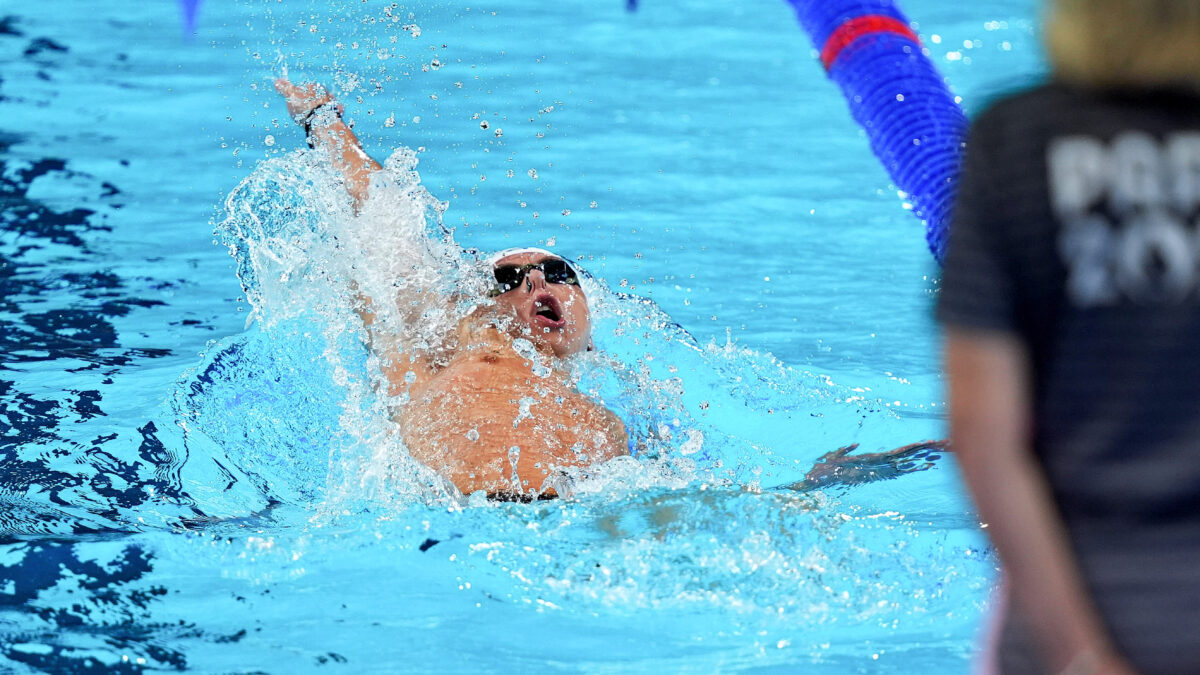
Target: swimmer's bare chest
column 487, row 422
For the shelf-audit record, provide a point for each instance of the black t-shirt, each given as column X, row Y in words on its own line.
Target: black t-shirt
column 1077, row 228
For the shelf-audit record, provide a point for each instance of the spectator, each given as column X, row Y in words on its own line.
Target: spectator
column 1071, row 306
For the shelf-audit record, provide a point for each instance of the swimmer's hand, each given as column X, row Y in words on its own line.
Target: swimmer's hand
column 303, row 99
column 842, row 468
column 314, row 108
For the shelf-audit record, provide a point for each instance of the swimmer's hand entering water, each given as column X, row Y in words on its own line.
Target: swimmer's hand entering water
column 314, row 108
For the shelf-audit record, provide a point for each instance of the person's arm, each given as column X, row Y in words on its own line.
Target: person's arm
column 312, row 106
column 990, row 428
column 315, row 109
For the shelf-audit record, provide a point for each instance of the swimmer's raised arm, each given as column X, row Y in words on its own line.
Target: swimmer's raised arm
column 314, row 108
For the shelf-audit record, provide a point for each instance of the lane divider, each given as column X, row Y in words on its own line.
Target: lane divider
column 914, row 123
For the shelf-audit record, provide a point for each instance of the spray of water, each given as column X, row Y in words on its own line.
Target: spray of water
column 305, row 385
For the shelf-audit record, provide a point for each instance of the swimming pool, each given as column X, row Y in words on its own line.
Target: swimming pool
column 691, row 153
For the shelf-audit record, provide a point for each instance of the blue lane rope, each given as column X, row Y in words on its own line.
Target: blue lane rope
column 896, row 94
column 189, row 9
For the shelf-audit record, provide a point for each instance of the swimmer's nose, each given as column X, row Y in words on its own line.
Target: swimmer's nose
column 537, row 279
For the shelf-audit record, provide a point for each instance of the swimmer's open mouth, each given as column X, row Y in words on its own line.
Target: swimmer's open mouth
column 547, row 311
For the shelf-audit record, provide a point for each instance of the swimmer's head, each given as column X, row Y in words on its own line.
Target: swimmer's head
column 542, row 291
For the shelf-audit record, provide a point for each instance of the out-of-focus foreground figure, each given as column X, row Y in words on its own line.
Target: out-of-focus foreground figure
column 1071, row 303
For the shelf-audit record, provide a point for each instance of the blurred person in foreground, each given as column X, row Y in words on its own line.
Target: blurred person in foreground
column 1071, row 306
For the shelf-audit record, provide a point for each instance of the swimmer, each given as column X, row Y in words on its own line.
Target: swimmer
column 489, row 418
column 483, row 418
column 486, row 420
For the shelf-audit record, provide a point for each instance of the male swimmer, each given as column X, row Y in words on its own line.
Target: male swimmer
column 488, row 417
column 482, row 417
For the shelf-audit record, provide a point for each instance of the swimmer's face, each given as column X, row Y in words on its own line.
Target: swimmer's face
column 552, row 312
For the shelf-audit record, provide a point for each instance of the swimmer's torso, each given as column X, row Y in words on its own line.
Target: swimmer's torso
column 487, row 422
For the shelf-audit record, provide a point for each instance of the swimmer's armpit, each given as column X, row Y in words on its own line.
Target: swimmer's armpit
column 842, row 469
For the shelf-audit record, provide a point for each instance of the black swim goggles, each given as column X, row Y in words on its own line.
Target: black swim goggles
column 556, row 271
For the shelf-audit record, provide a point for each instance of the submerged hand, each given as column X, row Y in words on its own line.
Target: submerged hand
column 842, row 468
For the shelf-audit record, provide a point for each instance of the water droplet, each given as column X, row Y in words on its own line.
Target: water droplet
column 533, row 174
column 472, row 435
column 483, row 124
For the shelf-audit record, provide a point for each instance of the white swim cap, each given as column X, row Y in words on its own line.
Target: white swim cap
column 500, row 255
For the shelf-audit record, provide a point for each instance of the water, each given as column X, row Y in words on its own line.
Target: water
column 198, row 478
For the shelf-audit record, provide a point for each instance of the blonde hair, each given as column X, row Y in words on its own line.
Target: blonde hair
column 1125, row 43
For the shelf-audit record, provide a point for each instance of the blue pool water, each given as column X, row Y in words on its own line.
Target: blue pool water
column 197, row 477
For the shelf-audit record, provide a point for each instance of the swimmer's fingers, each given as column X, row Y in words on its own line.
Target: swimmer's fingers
column 302, row 99
column 943, row 446
column 840, row 452
column 833, row 457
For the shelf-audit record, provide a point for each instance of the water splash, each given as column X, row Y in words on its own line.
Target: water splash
column 302, row 409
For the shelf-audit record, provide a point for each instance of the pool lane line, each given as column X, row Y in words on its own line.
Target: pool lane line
column 914, row 123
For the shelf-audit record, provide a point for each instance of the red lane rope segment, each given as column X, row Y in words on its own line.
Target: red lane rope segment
column 858, row 27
